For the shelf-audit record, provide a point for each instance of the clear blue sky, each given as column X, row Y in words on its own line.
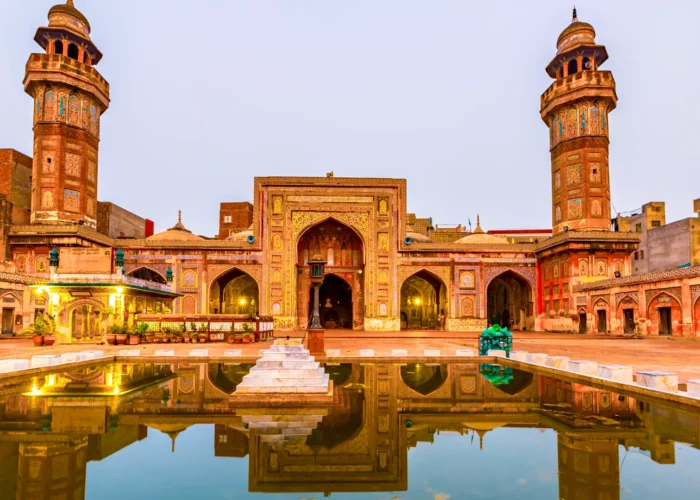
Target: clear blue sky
column 445, row 93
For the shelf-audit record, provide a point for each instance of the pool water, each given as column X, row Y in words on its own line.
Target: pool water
column 392, row 431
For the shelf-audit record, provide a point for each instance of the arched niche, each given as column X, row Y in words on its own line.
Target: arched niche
column 509, row 300
column 234, row 292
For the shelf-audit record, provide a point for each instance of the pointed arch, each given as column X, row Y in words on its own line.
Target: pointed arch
column 423, row 378
column 424, row 300
column 509, row 299
column 148, row 274
column 234, row 291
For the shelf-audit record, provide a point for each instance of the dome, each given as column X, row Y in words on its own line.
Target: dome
column 576, row 33
column 66, row 15
column 418, row 237
column 176, row 233
column 479, row 236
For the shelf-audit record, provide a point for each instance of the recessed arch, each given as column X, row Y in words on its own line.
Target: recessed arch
column 335, row 302
column 73, row 51
column 509, row 300
column 521, row 381
column 331, row 234
column 423, row 301
column 148, row 274
column 226, row 377
column 234, row 291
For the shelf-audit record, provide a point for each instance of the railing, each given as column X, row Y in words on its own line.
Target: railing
column 213, row 324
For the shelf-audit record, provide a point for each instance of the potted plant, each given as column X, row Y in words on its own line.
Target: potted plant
column 230, row 338
column 50, row 329
column 250, row 330
column 111, row 337
column 177, row 335
column 122, row 334
column 137, row 333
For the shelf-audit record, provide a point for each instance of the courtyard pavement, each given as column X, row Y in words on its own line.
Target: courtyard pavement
column 681, row 356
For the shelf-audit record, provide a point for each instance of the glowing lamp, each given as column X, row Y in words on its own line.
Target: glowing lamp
column 120, row 290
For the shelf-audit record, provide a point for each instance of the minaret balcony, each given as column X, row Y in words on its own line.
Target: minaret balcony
column 592, row 84
column 60, row 69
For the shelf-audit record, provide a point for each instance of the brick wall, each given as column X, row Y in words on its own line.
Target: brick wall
column 15, row 183
column 234, row 216
column 115, row 221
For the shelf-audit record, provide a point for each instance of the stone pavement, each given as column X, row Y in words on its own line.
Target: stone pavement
column 678, row 356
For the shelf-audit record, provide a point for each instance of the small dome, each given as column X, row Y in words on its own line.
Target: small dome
column 176, row 233
column 67, row 16
column 418, row 237
column 479, row 236
column 575, row 34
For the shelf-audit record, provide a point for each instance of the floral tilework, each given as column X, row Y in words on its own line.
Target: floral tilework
column 573, row 174
column 71, row 200
column 575, row 210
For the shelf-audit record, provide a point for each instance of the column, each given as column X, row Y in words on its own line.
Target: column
column 687, row 309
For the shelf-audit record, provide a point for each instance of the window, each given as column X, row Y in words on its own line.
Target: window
column 227, row 219
column 223, row 438
column 656, row 223
column 573, row 66
column 636, row 255
column 641, row 254
column 638, row 227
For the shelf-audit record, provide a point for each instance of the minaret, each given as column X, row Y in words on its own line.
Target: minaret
column 575, row 108
column 69, row 99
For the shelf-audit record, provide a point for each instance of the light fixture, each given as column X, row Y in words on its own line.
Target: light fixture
column 242, row 301
column 35, row 391
column 120, row 290
column 417, row 301
column 40, row 290
column 116, row 390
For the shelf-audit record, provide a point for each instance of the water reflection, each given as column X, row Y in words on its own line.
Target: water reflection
column 51, row 427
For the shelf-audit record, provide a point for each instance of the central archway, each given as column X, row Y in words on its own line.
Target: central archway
column 341, row 304
column 509, row 301
column 234, row 292
column 423, row 299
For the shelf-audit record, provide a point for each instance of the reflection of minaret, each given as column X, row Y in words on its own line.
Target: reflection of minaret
column 588, row 468
column 59, row 468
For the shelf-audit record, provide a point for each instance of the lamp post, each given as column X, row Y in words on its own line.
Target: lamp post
column 316, row 344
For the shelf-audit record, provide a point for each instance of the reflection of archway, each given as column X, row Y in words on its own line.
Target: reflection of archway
column 422, row 378
column 335, row 303
column 342, row 249
column 148, row 274
column 234, row 292
column 521, row 380
column 227, row 377
column 509, row 300
column 423, row 297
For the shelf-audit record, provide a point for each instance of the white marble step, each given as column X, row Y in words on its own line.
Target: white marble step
column 315, row 389
column 290, row 365
column 287, row 348
column 289, row 372
column 282, row 356
column 309, row 419
column 279, row 425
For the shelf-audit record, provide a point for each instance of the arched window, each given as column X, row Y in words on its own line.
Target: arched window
column 49, row 106
column 573, row 66
column 587, row 64
column 73, row 51
column 58, row 47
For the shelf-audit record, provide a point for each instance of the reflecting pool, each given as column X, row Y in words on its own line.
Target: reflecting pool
column 392, row 431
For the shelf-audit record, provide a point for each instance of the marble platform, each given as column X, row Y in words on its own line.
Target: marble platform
column 164, row 352
column 584, row 367
column 282, row 426
column 199, row 352
column 332, row 353
column 93, row 354
column 559, row 362
column 399, row 352
column 129, row 352
column 499, row 353
column 286, row 368
column 518, row 355
column 431, row 352
column 663, row 381
column 617, row 373
column 366, row 353
column 233, row 352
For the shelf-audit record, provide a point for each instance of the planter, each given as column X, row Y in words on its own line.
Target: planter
column 150, row 338
column 239, row 340
column 202, row 338
column 230, row 339
column 134, row 339
column 111, row 339
column 121, row 338
column 158, row 340
column 38, row 340
column 176, row 340
column 188, row 340
column 246, row 340
column 213, row 337
column 49, row 339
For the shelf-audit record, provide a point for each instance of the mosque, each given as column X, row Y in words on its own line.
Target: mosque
column 88, row 261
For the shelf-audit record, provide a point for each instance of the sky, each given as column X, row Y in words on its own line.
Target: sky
column 208, row 94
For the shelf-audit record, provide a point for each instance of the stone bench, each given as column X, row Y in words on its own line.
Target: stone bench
column 45, row 360
column 13, row 365
column 694, row 388
column 464, row 352
column 93, row 354
column 199, row 352
column 399, row 352
column 499, row 353
column 130, row 352
column 559, row 362
column 70, row 357
column 333, row 353
column 617, row 373
column 536, row 358
column 233, row 352
column 584, row 367
column 431, row 352
column 662, row 381
column 366, row 353
column 164, row 352
column 518, row 355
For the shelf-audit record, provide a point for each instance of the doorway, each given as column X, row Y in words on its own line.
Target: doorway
column 582, row 323
column 629, row 320
column 8, row 316
column 602, row 321
column 335, row 303
column 665, row 327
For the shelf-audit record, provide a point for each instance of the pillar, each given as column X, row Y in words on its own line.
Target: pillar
column 687, row 309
